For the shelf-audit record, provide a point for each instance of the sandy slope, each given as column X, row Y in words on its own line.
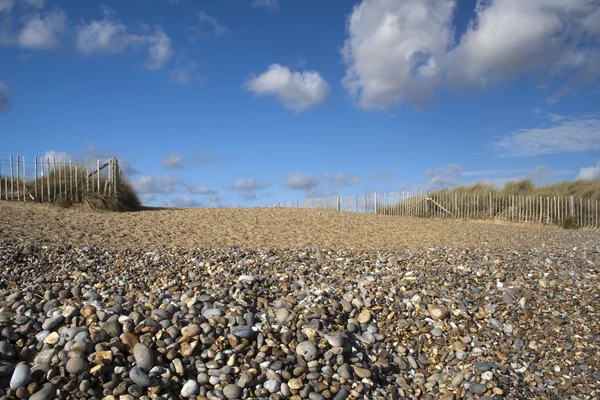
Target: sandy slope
column 264, row 227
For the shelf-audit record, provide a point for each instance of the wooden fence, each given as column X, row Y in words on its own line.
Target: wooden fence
column 534, row 209
column 47, row 179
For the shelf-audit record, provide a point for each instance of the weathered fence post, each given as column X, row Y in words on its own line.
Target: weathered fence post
column 12, row 184
column 374, row 203
column 24, row 177
column 338, row 203
column 35, row 174
column 572, row 206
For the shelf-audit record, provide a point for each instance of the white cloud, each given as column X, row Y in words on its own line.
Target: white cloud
column 160, row 49
column 510, row 37
column 395, row 50
column 52, row 155
column 6, row 5
column 42, row 33
column 296, row 91
column 383, row 175
column 404, row 50
column 172, row 160
column 564, row 136
column 341, row 179
column 3, row 96
column 35, row 3
column 183, row 202
column 110, row 36
column 589, row 173
column 247, row 187
column 203, row 159
column 318, row 192
column 269, row 5
column 184, row 74
column 446, row 176
column 207, row 26
column 202, row 190
column 299, row 181
column 146, row 184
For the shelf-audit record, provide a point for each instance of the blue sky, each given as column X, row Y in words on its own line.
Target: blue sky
column 252, row 102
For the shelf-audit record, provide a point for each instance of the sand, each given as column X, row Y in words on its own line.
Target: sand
column 269, row 228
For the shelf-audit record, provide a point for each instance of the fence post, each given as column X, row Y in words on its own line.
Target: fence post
column 375, row 203
column 35, row 174
column 24, row 177
column 572, row 206
column 338, row 203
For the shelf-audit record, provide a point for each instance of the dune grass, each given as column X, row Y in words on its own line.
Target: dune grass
column 515, row 201
column 68, row 185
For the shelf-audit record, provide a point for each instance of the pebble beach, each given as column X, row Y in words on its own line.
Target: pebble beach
column 196, row 304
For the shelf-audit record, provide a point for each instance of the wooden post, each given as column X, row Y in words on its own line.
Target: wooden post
column 77, row 197
column 18, row 184
column 12, row 184
column 35, row 174
column 87, row 177
column 98, row 174
column 375, row 203
column 117, row 173
column 48, row 178
column 572, row 206
column 24, row 177
column 338, row 203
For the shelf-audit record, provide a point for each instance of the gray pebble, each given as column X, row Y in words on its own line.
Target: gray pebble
column 47, row 392
column 143, row 357
column 52, row 322
column 139, row 377
column 307, row 350
column 190, row 388
column 477, row 388
column 242, row 331
column 77, row 365
column 20, row 376
column 232, row 391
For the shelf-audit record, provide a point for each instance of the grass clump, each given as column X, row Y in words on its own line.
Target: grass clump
column 569, row 223
column 69, row 185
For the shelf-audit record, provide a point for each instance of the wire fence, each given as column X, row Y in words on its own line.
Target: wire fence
column 534, row 209
column 50, row 179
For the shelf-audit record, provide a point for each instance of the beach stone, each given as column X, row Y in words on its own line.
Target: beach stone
column 246, row 278
column 139, row 377
column 143, row 357
column 212, row 313
column 295, row 383
column 52, row 322
column 364, row 316
column 335, row 339
column 232, row 391
column 483, row 366
column 361, row 372
column 191, row 330
column 477, row 388
column 438, row 311
column 76, row 365
column 190, row 388
column 47, row 392
column 272, row 385
column 7, row 352
column 20, row 376
column 282, row 314
column 242, row 331
column 129, row 340
column 307, row 350
column 343, row 394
